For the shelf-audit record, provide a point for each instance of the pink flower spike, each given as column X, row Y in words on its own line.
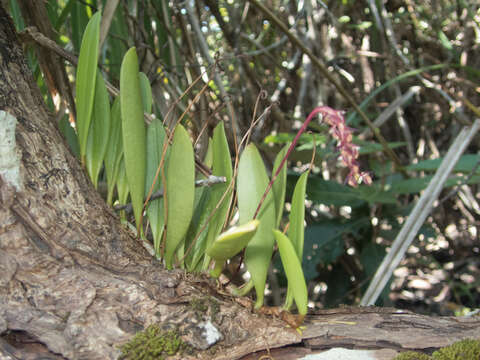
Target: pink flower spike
column 348, row 151
column 340, row 132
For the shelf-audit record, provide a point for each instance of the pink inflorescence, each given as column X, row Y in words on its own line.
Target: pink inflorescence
column 343, row 134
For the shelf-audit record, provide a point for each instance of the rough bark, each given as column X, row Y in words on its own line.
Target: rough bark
column 74, row 284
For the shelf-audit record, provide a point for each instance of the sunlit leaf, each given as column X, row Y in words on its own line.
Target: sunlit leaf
column 293, row 271
column 180, row 192
column 133, row 132
column 296, row 230
column 221, row 166
column 251, row 184
column 230, row 243
column 155, row 211
column 146, row 93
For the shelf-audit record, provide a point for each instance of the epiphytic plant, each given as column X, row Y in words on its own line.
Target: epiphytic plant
column 157, row 164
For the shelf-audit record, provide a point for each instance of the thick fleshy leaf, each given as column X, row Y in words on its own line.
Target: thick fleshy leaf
column 230, row 243
column 133, row 132
column 99, row 132
column 222, row 166
column 251, row 184
column 155, row 211
column 280, row 184
column 146, row 93
column 293, row 271
column 296, row 230
column 85, row 81
column 114, row 149
column 180, row 192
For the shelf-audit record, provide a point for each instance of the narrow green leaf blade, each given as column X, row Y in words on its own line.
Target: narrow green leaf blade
column 251, row 184
column 296, row 230
column 133, row 132
column 114, row 149
column 146, row 89
column 180, row 192
column 122, row 186
column 293, row 271
column 99, row 132
column 196, row 251
column 222, row 166
column 280, row 184
column 155, row 211
column 85, row 81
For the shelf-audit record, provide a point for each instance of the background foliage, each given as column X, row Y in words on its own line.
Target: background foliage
column 421, row 55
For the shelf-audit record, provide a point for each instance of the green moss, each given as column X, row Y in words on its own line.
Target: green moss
column 412, row 355
column 153, row 344
column 199, row 305
column 214, row 307
column 463, row 350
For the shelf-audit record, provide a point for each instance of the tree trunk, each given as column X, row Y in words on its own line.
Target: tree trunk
column 74, row 284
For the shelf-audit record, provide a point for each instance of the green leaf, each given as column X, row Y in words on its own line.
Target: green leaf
column 221, row 166
column 324, row 243
column 251, row 184
column 293, row 271
column 415, row 185
column 296, row 230
column 133, row 132
column 69, row 133
column 79, row 21
column 284, row 138
column 199, row 223
column 371, row 257
column 465, row 164
column 99, row 132
column 146, row 93
column 122, row 186
column 155, row 210
column 230, row 243
column 372, row 147
column 85, row 81
column 376, row 193
column 279, row 185
column 114, row 149
column 332, row 193
column 180, row 192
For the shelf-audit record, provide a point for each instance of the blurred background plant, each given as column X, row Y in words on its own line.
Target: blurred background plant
column 412, row 65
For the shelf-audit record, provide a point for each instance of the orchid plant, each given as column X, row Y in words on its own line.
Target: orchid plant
column 189, row 225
